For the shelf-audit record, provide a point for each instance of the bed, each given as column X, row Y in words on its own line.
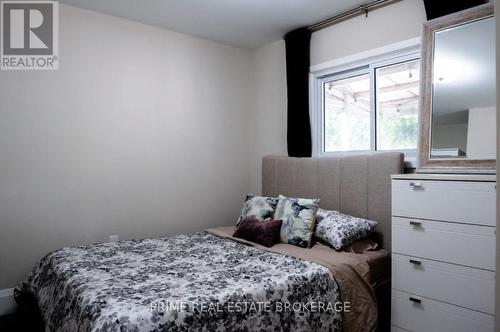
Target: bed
column 210, row 281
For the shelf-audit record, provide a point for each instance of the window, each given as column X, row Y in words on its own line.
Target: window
column 397, row 93
column 370, row 106
column 347, row 114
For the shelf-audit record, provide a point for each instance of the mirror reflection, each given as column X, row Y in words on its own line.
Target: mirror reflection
column 464, row 92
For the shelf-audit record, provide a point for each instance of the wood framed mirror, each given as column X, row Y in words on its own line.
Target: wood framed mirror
column 458, row 99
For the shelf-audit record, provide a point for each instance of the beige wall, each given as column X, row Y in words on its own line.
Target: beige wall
column 140, row 133
column 268, row 117
column 391, row 24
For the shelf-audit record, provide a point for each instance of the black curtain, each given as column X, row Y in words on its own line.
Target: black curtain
column 299, row 141
column 435, row 8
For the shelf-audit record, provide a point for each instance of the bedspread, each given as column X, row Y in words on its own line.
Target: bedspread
column 197, row 282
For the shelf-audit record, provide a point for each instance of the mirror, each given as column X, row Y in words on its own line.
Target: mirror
column 458, row 118
column 464, row 96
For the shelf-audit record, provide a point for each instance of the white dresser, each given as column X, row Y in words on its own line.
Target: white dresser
column 443, row 252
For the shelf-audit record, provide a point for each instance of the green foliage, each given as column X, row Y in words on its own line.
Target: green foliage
column 397, row 132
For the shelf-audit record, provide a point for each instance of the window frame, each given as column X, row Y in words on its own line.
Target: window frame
column 325, row 73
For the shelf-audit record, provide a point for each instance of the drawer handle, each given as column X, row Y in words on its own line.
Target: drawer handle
column 415, row 223
column 415, row 300
column 416, row 185
column 415, row 262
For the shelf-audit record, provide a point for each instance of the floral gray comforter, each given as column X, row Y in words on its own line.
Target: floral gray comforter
column 197, row 282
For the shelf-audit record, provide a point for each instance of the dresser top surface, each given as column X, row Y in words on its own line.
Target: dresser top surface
column 446, row 177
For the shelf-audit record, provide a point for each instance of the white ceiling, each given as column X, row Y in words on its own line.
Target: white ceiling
column 242, row 23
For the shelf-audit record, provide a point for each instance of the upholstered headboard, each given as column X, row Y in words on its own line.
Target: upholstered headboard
column 356, row 185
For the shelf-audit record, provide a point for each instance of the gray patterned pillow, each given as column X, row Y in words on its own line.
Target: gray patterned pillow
column 257, row 207
column 341, row 230
column 298, row 215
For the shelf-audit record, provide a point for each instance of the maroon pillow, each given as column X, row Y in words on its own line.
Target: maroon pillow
column 266, row 233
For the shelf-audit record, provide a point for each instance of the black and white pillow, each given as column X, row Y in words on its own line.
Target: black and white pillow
column 298, row 215
column 258, row 207
column 341, row 230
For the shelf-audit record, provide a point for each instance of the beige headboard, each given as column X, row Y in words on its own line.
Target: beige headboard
column 355, row 185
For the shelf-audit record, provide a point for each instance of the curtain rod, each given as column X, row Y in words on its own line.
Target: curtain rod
column 363, row 9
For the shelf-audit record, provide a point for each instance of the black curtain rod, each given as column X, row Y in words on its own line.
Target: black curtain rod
column 361, row 10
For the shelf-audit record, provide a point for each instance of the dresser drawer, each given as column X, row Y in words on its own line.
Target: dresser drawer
column 464, row 286
column 435, row 316
column 461, row 202
column 468, row 245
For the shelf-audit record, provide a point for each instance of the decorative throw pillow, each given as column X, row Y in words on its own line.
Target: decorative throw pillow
column 298, row 215
column 264, row 233
column 257, row 207
column 340, row 230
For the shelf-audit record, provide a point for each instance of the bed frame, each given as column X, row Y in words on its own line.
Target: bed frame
column 356, row 185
